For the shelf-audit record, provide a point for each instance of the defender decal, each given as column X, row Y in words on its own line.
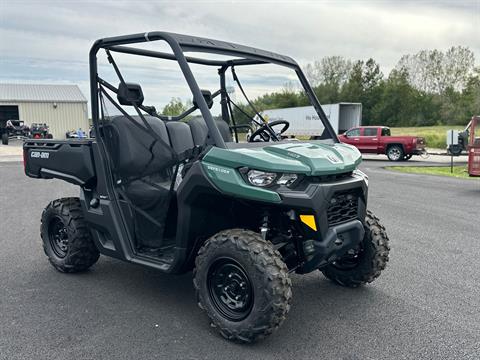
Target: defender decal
column 217, row 169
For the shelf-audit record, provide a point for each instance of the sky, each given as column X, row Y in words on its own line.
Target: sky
column 48, row 41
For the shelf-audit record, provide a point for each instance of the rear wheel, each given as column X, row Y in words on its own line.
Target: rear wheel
column 5, row 139
column 242, row 284
column 395, row 153
column 66, row 238
column 366, row 263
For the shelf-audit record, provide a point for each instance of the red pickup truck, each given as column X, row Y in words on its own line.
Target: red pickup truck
column 377, row 140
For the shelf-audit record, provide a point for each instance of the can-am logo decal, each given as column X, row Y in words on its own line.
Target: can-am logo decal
column 39, row 155
column 333, row 159
column 291, row 154
column 217, row 169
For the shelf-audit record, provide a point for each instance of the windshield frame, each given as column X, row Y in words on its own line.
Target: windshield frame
column 180, row 44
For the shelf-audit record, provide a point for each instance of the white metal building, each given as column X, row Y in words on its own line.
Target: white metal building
column 61, row 107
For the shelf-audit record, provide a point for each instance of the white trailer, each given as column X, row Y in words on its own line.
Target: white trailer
column 304, row 120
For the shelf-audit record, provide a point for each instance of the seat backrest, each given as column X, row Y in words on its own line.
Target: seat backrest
column 134, row 151
column 200, row 130
column 180, row 136
column 224, row 130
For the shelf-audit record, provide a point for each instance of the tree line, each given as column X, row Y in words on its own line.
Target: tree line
column 431, row 87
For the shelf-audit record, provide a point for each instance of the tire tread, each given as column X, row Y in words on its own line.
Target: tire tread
column 82, row 252
column 381, row 248
column 277, row 287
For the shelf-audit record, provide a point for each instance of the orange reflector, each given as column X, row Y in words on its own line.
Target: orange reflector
column 309, row 220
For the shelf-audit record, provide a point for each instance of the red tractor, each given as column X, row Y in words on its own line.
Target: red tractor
column 474, row 147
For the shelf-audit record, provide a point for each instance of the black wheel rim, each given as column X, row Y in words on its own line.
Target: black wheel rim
column 349, row 261
column 230, row 289
column 58, row 237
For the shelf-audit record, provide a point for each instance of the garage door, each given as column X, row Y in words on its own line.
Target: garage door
column 9, row 112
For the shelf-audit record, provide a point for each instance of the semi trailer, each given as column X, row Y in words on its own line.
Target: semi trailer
column 304, row 120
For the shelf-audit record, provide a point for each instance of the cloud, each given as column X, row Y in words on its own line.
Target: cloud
column 48, row 41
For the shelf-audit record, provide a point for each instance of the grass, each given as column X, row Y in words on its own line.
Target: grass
column 435, row 136
column 458, row 171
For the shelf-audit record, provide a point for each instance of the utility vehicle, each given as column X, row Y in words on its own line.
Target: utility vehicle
column 178, row 196
column 40, row 131
column 13, row 129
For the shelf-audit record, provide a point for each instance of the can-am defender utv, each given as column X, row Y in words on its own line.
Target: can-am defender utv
column 175, row 195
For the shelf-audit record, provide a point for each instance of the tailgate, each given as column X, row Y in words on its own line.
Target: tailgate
column 421, row 143
column 69, row 160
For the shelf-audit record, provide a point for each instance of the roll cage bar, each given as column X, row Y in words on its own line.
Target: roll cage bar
column 183, row 43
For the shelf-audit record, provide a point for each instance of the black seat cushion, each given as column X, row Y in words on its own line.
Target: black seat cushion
column 224, row 130
column 148, row 191
column 180, row 136
column 199, row 130
column 134, row 151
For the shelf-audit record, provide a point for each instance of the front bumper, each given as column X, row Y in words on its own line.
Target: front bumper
column 339, row 208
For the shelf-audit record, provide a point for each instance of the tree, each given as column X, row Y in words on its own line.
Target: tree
column 174, row 107
column 364, row 85
column 470, row 99
column 428, row 88
column 435, row 71
column 328, row 75
column 397, row 105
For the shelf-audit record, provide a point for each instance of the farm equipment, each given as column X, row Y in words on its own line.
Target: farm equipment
column 463, row 141
column 175, row 196
column 474, row 147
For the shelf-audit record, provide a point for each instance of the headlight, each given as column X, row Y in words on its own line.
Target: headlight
column 261, row 178
column 361, row 174
column 287, row 179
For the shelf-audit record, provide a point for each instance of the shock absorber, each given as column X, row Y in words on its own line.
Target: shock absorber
column 264, row 227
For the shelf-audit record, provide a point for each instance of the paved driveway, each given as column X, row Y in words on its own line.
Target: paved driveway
column 425, row 305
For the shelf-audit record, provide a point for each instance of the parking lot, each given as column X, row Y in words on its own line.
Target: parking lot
column 425, row 305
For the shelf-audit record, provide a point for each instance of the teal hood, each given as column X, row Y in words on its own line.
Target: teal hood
column 309, row 158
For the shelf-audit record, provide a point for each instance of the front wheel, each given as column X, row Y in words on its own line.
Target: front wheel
column 5, row 139
column 242, row 284
column 66, row 238
column 366, row 263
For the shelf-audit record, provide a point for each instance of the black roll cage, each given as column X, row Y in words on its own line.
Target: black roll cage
column 185, row 43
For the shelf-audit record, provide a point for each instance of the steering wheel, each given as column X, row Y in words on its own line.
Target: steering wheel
column 263, row 134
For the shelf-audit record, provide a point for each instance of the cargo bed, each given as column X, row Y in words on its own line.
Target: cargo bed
column 69, row 160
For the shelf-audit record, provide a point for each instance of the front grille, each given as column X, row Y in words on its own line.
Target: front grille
column 343, row 207
column 329, row 178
